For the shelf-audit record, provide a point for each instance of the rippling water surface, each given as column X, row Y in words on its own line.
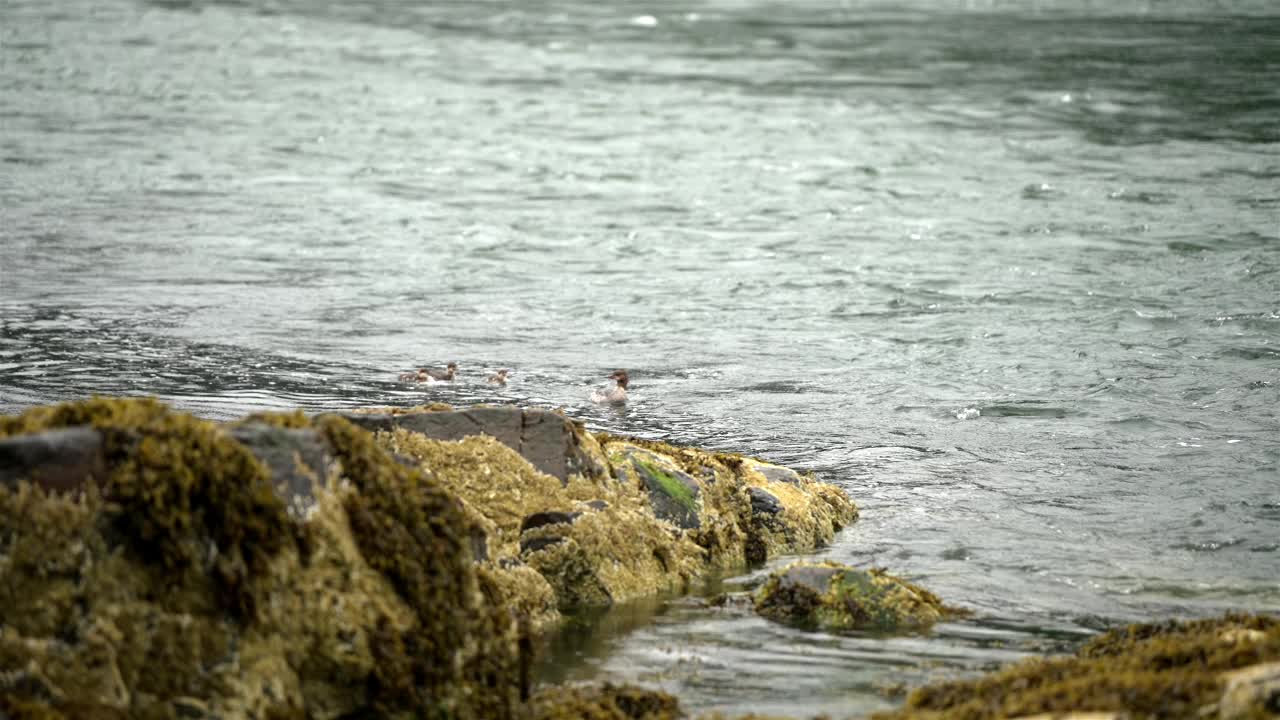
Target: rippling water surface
column 1009, row 273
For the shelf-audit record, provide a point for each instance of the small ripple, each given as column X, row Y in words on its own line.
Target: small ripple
column 1207, row 546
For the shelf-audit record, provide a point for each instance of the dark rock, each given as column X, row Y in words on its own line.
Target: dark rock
column 59, row 460
column 763, row 502
column 549, row 441
column 598, row 505
column 550, row 517
column 298, row 460
column 479, row 544
column 528, row 545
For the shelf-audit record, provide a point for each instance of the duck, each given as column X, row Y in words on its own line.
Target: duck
column 434, row 376
column 615, row 395
column 499, row 378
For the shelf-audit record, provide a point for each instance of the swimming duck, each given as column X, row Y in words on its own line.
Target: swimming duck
column 499, row 378
column 445, row 375
column 616, row 394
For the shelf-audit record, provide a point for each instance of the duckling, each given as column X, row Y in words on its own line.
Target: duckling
column 499, row 378
column 419, row 375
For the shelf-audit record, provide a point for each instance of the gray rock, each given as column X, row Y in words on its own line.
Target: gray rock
column 60, row 460
column 547, row 440
column 763, row 502
column 298, row 460
column 777, row 473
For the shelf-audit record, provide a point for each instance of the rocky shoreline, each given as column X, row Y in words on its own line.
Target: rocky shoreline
column 402, row 563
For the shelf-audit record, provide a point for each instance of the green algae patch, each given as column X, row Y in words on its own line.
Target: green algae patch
column 189, row 498
column 710, row 508
column 834, row 597
column 670, row 486
column 1173, row 669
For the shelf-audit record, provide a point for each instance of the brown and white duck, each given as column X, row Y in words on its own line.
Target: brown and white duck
column 445, row 375
column 615, row 395
column 427, row 375
column 499, row 378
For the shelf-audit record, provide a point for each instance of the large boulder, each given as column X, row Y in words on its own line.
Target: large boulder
column 173, row 580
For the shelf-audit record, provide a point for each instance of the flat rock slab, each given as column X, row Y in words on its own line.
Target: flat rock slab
column 61, row 460
column 546, row 439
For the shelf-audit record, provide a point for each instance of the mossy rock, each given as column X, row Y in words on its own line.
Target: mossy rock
column 179, row 487
column 603, row 702
column 608, row 548
column 1213, row 668
column 694, row 490
column 834, row 597
column 179, row 583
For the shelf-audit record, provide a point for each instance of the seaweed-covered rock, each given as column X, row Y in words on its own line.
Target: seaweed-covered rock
column 1170, row 670
column 790, row 512
column 595, row 541
column 696, row 491
column 743, row 511
column 836, row 597
column 603, row 702
column 176, row 582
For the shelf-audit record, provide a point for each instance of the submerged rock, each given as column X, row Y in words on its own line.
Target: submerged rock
column 835, row 597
